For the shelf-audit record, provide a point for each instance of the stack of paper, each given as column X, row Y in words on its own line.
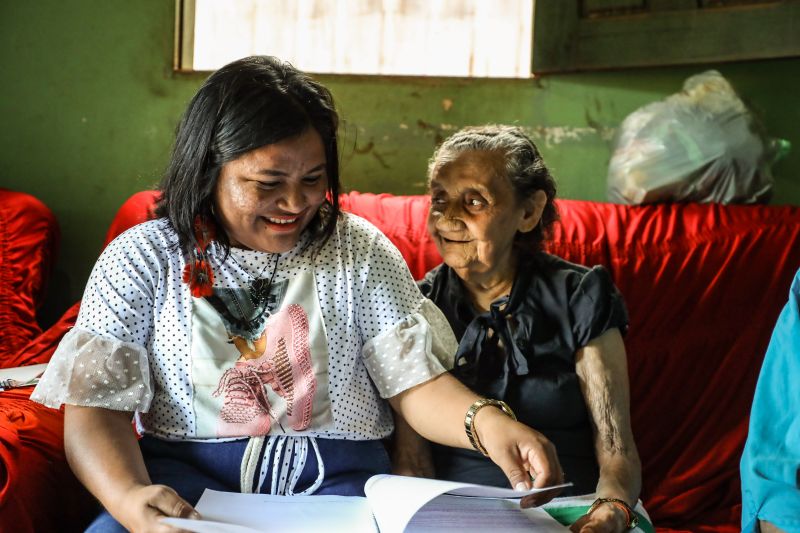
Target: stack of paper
column 393, row 504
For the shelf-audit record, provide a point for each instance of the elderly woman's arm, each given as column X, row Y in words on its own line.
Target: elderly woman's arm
column 436, row 410
column 411, row 454
column 602, row 370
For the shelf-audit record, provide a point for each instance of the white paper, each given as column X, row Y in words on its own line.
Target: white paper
column 290, row 514
column 396, row 499
column 206, row 526
column 393, row 504
column 21, row 376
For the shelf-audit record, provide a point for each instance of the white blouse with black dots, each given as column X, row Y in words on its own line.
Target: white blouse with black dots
column 130, row 349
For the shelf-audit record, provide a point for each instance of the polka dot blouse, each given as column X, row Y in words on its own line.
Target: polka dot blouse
column 131, row 348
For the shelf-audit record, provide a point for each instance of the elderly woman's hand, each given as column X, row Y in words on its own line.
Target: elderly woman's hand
column 526, row 456
column 605, row 518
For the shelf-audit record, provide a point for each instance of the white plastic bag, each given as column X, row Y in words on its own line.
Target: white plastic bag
column 699, row 145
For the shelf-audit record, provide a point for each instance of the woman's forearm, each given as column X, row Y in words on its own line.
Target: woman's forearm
column 620, row 477
column 602, row 370
column 435, row 409
column 103, row 452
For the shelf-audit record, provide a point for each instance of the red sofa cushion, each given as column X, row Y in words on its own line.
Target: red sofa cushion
column 28, row 244
column 38, row 491
column 704, row 285
column 33, row 469
column 140, row 207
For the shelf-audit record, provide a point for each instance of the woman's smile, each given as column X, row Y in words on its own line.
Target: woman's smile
column 456, row 241
column 283, row 223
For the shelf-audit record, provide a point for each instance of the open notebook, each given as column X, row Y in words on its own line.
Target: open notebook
column 393, row 504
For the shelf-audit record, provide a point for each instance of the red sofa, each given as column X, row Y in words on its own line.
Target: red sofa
column 704, row 285
column 37, row 490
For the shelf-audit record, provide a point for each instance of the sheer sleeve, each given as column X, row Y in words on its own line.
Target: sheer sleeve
column 596, row 306
column 103, row 361
column 416, row 349
column 90, row 370
column 406, row 339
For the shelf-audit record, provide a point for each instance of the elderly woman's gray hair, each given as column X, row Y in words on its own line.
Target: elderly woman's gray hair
column 525, row 169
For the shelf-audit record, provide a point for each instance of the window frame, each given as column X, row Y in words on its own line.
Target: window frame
column 566, row 40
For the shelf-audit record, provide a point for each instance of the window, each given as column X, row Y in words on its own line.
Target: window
column 600, row 34
column 470, row 38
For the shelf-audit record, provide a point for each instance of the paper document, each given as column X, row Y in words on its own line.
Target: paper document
column 393, row 504
column 21, row 376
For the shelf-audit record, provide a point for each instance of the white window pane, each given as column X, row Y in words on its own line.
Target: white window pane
column 401, row 37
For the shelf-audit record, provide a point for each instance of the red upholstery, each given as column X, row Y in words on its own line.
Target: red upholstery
column 28, row 243
column 137, row 209
column 403, row 220
column 38, row 492
column 704, row 284
column 32, row 464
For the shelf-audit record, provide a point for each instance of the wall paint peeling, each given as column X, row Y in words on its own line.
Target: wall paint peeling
column 113, row 103
column 555, row 135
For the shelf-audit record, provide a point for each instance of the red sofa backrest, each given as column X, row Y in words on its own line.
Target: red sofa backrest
column 29, row 239
column 704, row 284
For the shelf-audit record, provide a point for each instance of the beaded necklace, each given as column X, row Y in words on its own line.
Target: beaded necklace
column 259, row 287
column 240, row 318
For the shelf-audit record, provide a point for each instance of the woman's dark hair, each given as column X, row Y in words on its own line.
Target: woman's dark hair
column 245, row 105
column 524, row 166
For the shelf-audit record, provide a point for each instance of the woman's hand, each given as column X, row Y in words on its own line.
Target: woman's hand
column 606, row 518
column 102, row 450
column 527, row 457
column 143, row 506
column 436, row 410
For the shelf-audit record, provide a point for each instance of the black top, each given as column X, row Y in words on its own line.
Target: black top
column 554, row 309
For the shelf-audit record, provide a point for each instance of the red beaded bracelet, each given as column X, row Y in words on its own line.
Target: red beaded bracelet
column 631, row 520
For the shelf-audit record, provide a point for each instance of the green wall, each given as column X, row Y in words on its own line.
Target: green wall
column 89, row 104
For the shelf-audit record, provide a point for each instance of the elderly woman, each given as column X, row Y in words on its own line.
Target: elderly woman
column 253, row 331
column 542, row 334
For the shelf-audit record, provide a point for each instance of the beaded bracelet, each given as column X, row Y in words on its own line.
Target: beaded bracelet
column 631, row 520
column 469, row 420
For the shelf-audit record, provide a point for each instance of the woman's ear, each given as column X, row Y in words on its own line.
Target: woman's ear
column 534, row 207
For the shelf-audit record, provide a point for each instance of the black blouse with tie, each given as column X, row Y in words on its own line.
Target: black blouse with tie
column 522, row 351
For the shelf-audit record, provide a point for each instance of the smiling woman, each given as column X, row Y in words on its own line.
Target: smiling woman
column 535, row 331
column 475, row 216
column 255, row 334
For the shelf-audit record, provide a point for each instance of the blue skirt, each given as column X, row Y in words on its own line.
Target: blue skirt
column 192, row 467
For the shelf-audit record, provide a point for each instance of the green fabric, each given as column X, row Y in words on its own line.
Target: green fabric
column 568, row 514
